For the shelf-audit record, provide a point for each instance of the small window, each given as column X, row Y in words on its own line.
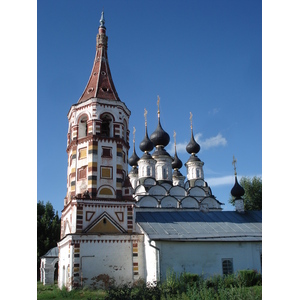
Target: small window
column 106, row 152
column 227, row 266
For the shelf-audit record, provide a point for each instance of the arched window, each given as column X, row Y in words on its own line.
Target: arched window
column 106, row 126
column 227, row 266
column 82, row 127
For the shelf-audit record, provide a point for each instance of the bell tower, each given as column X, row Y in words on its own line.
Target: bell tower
column 98, row 207
column 97, row 144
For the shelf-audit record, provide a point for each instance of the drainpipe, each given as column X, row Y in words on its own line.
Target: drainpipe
column 157, row 260
column 81, row 257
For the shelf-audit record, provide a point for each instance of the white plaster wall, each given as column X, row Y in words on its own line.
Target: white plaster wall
column 112, row 260
column 63, row 261
column 206, row 257
column 151, row 261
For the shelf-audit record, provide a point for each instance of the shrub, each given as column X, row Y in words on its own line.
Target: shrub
column 249, row 278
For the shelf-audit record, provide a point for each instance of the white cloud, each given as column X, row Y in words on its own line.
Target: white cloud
column 211, row 142
column 214, row 141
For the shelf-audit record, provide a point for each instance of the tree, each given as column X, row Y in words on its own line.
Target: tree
column 48, row 229
column 253, row 193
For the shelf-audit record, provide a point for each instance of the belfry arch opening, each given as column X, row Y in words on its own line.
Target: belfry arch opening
column 106, row 125
column 82, row 126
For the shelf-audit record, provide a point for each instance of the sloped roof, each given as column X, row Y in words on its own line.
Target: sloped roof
column 52, row 253
column 195, row 225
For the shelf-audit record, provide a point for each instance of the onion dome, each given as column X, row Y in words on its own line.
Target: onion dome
column 237, row 191
column 159, row 137
column 177, row 163
column 192, row 147
column 133, row 160
column 146, row 145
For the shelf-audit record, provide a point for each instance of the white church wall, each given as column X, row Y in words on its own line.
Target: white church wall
column 117, row 259
column 64, row 265
column 152, row 273
column 206, row 257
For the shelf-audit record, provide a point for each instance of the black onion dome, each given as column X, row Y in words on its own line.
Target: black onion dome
column 133, row 160
column 177, row 163
column 146, row 145
column 159, row 137
column 192, row 146
column 237, row 191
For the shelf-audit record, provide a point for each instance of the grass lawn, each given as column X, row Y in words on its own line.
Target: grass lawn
column 53, row 292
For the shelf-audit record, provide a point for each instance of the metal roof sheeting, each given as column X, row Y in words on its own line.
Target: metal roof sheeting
column 195, row 225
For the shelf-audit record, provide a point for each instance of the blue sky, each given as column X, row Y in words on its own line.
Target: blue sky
column 203, row 57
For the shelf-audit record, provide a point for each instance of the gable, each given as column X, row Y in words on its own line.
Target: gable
column 104, row 224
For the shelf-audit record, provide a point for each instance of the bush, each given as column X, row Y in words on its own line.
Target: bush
column 249, row 278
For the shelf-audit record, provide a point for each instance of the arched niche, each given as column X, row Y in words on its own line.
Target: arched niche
column 197, row 192
column 169, row 202
column 106, row 191
column 158, row 191
column 82, row 126
column 210, row 202
column 147, row 201
column 189, row 202
column 178, row 192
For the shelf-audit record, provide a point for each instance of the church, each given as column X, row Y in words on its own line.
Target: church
column 120, row 226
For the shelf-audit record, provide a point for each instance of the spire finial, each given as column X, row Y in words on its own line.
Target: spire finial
column 234, row 162
column 174, row 136
column 191, row 120
column 145, row 115
column 134, row 134
column 102, row 21
column 158, row 111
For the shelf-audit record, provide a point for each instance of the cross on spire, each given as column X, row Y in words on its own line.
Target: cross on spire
column 174, row 136
column 102, row 21
column 134, row 134
column 145, row 116
column 158, row 100
column 233, row 163
column 191, row 120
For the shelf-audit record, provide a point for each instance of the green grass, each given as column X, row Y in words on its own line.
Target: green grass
column 245, row 285
column 53, row 292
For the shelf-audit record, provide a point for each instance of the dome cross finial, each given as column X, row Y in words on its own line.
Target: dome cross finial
column 145, row 116
column 102, row 21
column 233, row 163
column 158, row 101
column 133, row 134
column 191, row 120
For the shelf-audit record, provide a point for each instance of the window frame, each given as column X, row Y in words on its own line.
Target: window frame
column 228, row 268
